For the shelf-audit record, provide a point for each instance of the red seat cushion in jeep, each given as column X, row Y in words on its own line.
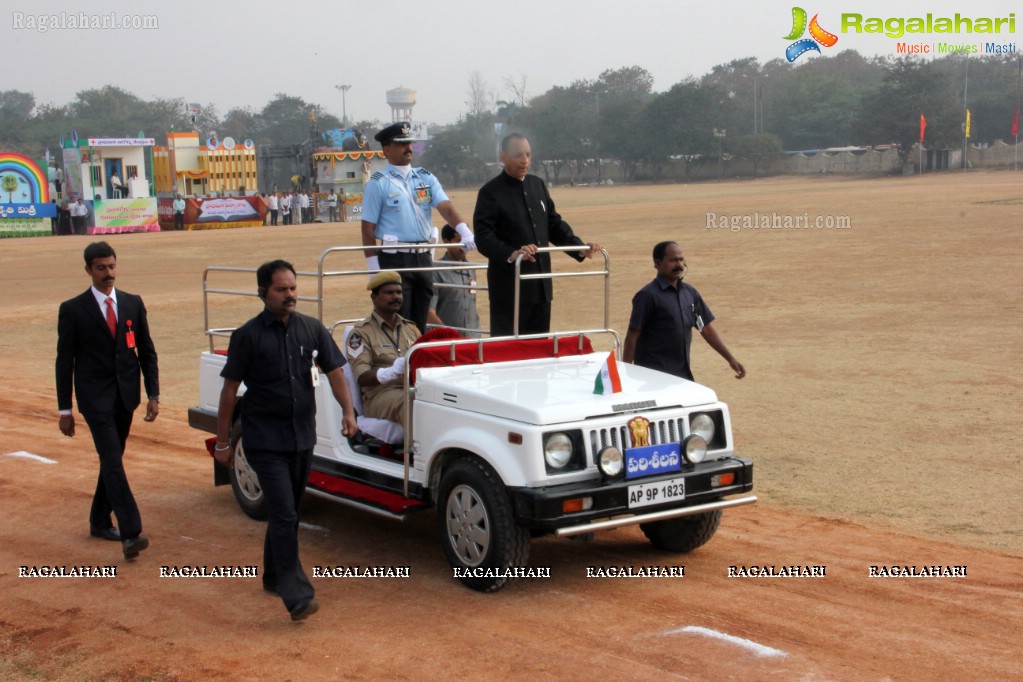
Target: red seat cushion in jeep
column 493, row 351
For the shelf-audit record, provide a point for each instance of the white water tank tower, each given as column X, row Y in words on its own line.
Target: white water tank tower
column 401, row 100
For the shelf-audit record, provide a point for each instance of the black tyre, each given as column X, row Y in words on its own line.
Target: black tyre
column 244, row 481
column 477, row 526
column 683, row 534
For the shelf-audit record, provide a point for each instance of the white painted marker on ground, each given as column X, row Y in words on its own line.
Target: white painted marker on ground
column 758, row 649
column 28, row 455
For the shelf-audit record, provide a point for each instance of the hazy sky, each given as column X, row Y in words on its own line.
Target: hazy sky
column 233, row 54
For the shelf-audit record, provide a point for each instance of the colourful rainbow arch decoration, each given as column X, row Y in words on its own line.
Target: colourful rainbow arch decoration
column 29, row 171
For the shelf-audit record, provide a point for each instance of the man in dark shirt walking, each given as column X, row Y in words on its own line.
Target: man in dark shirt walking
column 664, row 313
column 515, row 215
column 276, row 354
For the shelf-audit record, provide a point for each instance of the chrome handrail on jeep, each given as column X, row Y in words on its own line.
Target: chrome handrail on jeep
column 606, row 273
column 225, row 332
column 321, row 274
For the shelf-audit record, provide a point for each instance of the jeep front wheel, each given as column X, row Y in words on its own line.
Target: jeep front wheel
column 682, row 534
column 480, row 536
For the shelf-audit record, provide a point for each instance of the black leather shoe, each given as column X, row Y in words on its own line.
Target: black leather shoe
column 304, row 610
column 109, row 533
column 134, row 546
column 270, row 588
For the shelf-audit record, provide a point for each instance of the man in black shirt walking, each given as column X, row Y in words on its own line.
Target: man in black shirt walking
column 279, row 355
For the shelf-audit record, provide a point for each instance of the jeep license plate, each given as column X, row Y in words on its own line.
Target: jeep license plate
column 646, row 494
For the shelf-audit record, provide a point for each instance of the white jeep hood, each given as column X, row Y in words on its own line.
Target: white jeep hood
column 554, row 390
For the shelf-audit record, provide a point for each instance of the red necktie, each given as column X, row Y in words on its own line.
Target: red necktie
column 111, row 317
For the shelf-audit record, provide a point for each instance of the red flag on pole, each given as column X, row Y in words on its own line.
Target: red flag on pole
column 923, row 127
column 1015, row 124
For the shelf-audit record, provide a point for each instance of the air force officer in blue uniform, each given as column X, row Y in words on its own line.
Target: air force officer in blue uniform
column 397, row 207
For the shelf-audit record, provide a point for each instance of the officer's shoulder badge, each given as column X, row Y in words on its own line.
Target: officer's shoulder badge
column 354, row 345
column 423, row 171
column 376, row 176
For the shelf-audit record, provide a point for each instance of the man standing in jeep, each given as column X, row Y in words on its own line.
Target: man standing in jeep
column 663, row 314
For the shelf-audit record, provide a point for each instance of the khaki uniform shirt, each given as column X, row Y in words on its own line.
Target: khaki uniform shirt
column 371, row 346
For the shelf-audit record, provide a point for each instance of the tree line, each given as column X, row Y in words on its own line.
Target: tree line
column 741, row 108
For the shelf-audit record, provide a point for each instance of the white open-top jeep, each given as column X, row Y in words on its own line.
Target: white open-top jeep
column 508, row 440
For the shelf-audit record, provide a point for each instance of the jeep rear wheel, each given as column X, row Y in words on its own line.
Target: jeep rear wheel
column 480, row 536
column 245, row 484
column 683, row 534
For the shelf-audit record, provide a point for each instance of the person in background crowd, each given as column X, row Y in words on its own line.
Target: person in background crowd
column 179, row 212
column 332, row 206
column 286, row 202
column 273, row 203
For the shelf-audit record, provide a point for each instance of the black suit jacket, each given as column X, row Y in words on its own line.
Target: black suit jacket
column 509, row 214
column 103, row 370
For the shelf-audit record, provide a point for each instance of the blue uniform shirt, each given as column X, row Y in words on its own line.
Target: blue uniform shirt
column 392, row 202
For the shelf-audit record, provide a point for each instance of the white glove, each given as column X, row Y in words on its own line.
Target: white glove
column 373, row 263
column 395, row 371
column 468, row 241
column 434, row 235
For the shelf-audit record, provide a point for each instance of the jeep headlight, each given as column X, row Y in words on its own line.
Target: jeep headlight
column 557, row 450
column 694, row 448
column 702, row 425
column 610, row 461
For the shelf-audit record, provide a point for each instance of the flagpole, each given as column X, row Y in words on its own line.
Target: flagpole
column 1015, row 148
column 923, row 127
column 966, row 111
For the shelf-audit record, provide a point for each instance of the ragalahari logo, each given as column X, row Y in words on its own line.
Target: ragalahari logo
column 818, row 36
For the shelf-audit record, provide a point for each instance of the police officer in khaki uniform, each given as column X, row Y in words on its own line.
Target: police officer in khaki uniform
column 375, row 349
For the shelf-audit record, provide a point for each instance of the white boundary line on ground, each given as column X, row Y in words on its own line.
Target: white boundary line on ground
column 28, row 455
column 756, row 648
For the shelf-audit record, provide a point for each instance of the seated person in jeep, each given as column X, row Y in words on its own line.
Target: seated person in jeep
column 375, row 348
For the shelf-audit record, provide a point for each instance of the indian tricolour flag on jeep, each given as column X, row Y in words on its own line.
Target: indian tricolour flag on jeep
column 607, row 381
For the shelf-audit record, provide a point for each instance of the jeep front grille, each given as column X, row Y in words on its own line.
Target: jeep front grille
column 660, row 431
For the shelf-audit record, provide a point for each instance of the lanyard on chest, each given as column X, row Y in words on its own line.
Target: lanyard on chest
column 395, row 340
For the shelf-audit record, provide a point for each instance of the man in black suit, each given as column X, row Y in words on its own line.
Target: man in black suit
column 103, row 342
column 515, row 215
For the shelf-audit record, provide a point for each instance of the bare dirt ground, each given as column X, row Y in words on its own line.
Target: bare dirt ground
column 882, row 410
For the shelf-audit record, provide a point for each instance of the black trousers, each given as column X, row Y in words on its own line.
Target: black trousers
column 283, row 476
column 534, row 318
column 273, row 216
column 179, row 221
column 416, row 287
column 109, row 433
